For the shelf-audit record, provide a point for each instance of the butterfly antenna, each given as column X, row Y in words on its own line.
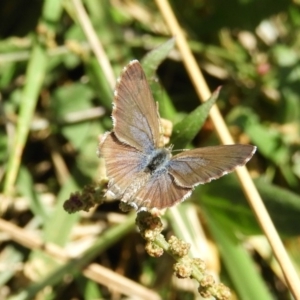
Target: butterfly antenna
column 178, row 150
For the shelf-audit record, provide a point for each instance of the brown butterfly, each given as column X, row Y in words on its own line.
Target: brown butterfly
column 140, row 172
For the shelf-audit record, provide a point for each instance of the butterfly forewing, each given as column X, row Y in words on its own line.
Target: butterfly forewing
column 135, row 114
column 193, row 167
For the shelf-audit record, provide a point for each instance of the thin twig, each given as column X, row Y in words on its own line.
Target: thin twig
column 93, row 271
column 94, row 41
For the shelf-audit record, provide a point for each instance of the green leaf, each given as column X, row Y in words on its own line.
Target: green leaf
column 150, row 63
column 283, row 205
column 26, row 188
column 68, row 100
column 268, row 140
column 187, row 129
column 154, row 58
column 242, row 269
column 71, row 98
column 225, row 200
column 99, row 83
column 59, row 218
column 35, row 73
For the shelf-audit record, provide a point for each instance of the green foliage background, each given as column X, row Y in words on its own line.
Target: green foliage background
column 56, row 100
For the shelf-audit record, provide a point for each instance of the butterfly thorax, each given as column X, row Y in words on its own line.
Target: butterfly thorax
column 158, row 160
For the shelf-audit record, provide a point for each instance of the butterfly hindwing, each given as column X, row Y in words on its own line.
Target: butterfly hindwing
column 161, row 191
column 122, row 162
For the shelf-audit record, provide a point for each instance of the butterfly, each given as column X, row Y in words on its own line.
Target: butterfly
column 141, row 172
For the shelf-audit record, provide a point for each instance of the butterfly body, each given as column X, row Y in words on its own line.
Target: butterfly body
column 158, row 160
column 140, row 171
